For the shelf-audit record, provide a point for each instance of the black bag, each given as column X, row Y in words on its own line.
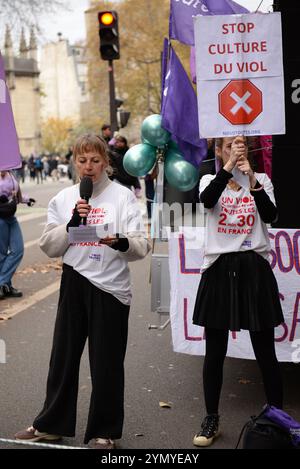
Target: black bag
column 262, row 433
column 7, row 207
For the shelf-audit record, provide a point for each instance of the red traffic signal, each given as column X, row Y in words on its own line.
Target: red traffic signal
column 109, row 35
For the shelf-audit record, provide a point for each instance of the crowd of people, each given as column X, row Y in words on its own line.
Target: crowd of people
column 38, row 168
column 237, row 289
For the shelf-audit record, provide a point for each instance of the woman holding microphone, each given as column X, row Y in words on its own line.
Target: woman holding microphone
column 94, row 302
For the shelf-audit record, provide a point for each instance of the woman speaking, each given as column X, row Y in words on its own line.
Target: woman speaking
column 94, row 301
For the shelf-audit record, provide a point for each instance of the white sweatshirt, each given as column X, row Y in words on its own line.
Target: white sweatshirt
column 234, row 223
column 103, row 266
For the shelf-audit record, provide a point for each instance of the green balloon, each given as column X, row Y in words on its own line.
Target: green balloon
column 144, row 140
column 173, row 145
column 139, row 159
column 179, row 172
column 153, row 133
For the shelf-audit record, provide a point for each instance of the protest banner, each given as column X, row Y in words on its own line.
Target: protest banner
column 239, row 66
column 185, row 260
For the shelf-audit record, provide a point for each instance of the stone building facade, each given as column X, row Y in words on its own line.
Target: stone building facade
column 63, row 81
column 22, row 75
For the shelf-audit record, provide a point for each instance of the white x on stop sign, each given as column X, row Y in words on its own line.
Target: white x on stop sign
column 241, row 103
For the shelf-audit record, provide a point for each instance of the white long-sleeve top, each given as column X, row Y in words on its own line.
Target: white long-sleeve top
column 104, row 267
column 234, row 223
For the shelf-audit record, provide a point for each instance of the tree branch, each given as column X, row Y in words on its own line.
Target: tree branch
column 18, row 13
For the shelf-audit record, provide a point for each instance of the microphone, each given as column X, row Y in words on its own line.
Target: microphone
column 85, row 191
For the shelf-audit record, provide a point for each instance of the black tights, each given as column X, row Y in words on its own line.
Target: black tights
column 264, row 350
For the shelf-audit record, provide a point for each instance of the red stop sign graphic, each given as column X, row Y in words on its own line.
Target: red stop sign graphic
column 240, row 102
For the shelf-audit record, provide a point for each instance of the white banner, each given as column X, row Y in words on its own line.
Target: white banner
column 239, row 68
column 185, row 257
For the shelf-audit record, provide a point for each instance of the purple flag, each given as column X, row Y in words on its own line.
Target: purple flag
column 216, row 7
column 181, row 25
column 180, row 112
column 224, row 7
column 164, row 65
column 9, row 146
column 193, row 64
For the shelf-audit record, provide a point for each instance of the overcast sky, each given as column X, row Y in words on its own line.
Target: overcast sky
column 71, row 23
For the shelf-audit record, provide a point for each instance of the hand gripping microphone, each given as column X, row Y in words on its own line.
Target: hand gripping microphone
column 86, row 191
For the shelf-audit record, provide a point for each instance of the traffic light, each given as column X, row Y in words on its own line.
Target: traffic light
column 123, row 118
column 109, row 35
column 118, row 102
column 122, row 115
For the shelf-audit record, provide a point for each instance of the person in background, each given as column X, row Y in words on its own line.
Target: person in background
column 46, row 169
column 94, row 302
column 31, row 168
column 39, row 167
column 117, row 154
column 150, row 183
column 20, row 172
column 53, row 167
column 11, row 239
column 237, row 289
column 68, row 159
column 69, row 154
column 106, row 132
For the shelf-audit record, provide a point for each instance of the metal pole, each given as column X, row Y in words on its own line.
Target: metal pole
column 112, row 97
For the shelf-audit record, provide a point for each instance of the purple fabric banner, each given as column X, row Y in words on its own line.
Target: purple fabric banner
column 181, row 25
column 193, row 64
column 164, row 65
column 285, row 421
column 9, row 146
column 215, row 7
column 180, row 112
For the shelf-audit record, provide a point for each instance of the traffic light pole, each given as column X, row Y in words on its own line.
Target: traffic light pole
column 112, row 97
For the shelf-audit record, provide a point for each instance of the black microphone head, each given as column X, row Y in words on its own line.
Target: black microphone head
column 86, row 188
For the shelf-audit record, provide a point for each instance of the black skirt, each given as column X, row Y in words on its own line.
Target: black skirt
column 239, row 291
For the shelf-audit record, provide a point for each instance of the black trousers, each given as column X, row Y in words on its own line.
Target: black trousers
column 264, row 350
column 86, row 311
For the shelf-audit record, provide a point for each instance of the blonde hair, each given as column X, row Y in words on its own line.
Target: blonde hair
column 91, row 142
column 219, row 144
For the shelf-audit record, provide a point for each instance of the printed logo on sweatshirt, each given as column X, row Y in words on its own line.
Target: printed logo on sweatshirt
column 95, row 257
column 247, row 244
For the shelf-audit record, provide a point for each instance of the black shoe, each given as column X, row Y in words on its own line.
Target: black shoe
column 209, row 431
column 2, row 292
column 12, row 292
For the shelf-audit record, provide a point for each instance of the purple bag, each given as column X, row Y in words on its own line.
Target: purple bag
column 285, row 421
column 271, row 429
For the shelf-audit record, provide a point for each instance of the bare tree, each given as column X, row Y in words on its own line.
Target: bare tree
column 18, row 13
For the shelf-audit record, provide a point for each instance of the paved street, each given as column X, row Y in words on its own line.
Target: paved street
column 154, row 372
